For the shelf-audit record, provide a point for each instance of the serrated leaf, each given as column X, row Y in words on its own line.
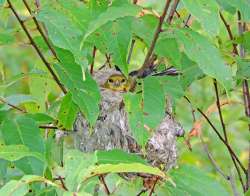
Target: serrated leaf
column 153, row 102
column 133, row 106
column 67, row 113
column 16, row 152
column 111, row 14
column 116, row 156
column 119, row 32
column 206, row 12
column 209, row 59
column 85, row 93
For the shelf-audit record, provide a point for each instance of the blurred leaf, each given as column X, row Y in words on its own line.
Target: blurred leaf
column 209, row 59
column 243, row 6
column 124, row 168
column 116, row 156
column 111, row 14
column 67, row 113
column 133, row 106
column 41, row 118
column 85, row 93
column 16, row 152
column 190, row 180
column 243, row 71
column 153, row 102
column 206, row 12
column 6, row 38
column 21, row 187
column 76, row 165
column 225, row 4
column 246, row 40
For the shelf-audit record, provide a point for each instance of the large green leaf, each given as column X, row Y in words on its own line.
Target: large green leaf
column 117, row 156
column 85, row 93
column 192, row 181
column 243, row 6
column 153, row 102
column 119, row 32
column 111, row 14
column 133, row 106
column 206, row 12
column 16, row 152
column 67, row 113
column 23, row 130
column 206, row 55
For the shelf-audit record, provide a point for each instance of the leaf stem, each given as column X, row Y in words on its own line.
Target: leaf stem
column 12, row 106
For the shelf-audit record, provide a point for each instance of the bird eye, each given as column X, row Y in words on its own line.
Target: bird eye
column 123, row 80
column 111, row 80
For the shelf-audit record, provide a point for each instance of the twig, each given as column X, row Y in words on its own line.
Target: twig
column 156, row 35
column 48, row 127
column 172, row 11
column 36, row 48
column 40, row 30
column 12, row 106
column 131, row 50
column 93, row 61
column 62, row 183
column 230, row 34
column 101, row 178
column 37, row 3
column 187, row 21
column 153, row 188
column 231, row 152
column 219, row 109
column 108, row 60
column 246, row 96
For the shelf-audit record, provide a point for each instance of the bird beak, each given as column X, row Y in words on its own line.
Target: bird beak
column 116, row 83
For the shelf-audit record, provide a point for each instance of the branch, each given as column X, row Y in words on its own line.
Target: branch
column 153, row 188
column 172, row 11
column 12, row 106
column 187, row 21
column 230, row 34
column 156, row 35
column 101, row 178
column 219, row 109
column 48, row 127
column 36, row 48
column 231, row 152
column 40, row 30
column 93, row 61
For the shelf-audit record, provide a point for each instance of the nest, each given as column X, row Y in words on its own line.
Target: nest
column 112, row 131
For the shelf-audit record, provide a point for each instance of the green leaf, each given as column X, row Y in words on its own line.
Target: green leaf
column 16, row 152
column 206, row 12
column 246, row 40
column 243, row 71
column 124, row 168
column 225, row 4
column 119, row 32
column 6, row 38
column 116, row 156
column 168, row 48
column 133, row 106
column 153, row 102
column 21, row 187
column 243, row 6
column 62, row 32
column 76, row 165
column 196, row 183
column 111, row 14
column 24, row 130
column 85, row 93
column 209, row 59
column 67, row 113
column 41, row 118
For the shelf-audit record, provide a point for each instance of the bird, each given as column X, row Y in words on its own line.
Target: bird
column 118, row 82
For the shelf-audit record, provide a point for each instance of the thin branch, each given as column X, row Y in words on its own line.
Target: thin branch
column 172, row 11
column 231, row 152
column 131, row 50
column 62, row 183
column 219, row 109
column 187, row 21
column 156, row 35
column 36, row 48
column 40, row 30
column 153, row 188
column 93, row 60
column 48, row 127
column 230, row 34
column 12, row 106
column 101, row 178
